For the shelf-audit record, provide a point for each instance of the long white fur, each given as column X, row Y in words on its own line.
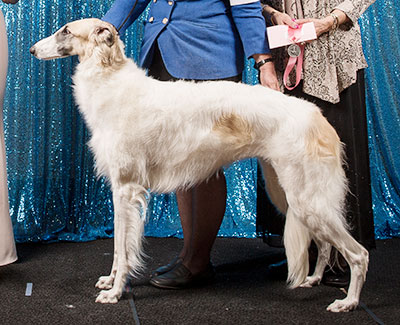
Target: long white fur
column 164, row 136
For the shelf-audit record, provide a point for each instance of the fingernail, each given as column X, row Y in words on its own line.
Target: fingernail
column 297, row 26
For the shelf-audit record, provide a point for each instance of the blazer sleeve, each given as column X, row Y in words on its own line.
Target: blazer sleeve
column 353, row 8
column 124, row 12
column 250, row 23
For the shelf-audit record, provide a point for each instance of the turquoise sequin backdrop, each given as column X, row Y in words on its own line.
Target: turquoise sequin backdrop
column 53, row 192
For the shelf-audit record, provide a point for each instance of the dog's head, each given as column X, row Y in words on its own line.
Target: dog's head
column 87, row 38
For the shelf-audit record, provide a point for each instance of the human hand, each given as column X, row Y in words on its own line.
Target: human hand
column 10, row 1
column 321, row 25
column 267, row 76
column 281, row 18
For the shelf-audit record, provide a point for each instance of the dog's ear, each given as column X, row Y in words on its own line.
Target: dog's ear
column 104, row 35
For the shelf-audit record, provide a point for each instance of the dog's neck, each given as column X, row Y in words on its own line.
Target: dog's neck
column 104, row 58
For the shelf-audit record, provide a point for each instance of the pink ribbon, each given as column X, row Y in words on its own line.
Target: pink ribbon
column 294, row 35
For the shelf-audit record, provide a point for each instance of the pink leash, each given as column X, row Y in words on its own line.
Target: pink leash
column 294, row 36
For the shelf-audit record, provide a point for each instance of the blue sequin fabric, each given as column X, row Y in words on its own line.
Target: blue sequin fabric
column 381, row 42
column 53, row 192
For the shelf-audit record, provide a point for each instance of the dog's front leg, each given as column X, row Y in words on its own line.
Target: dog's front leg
column 106, row 282
column 128, row 199
column 120, row 263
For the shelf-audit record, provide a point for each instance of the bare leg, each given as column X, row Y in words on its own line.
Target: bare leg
column 184, row 199
column 202, row 210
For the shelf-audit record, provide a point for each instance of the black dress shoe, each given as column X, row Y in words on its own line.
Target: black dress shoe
column 336, row 277
column 180, row 277
column 166, row 268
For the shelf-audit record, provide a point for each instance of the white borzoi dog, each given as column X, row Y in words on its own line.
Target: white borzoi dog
column 164, row 136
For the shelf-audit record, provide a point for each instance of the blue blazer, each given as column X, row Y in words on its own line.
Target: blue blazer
column 198, row 39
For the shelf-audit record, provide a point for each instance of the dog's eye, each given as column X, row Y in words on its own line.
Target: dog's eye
column 66, row 31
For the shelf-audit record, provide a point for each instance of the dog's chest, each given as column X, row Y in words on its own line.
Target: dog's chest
column 101, row 145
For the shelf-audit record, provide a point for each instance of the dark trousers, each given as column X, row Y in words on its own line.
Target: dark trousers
column 349, row 118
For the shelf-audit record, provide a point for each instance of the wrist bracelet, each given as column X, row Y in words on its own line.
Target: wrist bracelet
column 271, row 15
column 335, row 21
column 259, row 64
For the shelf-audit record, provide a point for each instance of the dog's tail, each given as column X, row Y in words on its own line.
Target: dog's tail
column 297, row 239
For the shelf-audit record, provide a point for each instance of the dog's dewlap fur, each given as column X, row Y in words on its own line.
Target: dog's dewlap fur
column 164, row 136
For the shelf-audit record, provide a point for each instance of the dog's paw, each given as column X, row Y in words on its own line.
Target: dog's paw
column 340, row 306
column 108, row 297
column 311, row 281
column 105, row 282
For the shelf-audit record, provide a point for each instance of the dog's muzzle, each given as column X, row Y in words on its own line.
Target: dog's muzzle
column 46, row 49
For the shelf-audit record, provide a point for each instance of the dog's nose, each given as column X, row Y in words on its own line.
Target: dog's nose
column 32, row 50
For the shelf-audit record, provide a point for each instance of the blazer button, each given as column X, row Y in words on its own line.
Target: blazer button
column 151, row 19
column 165, row 20
column 169, row 2
column 154, row 1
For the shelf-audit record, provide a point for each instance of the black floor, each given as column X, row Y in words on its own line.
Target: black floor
column 64, row 274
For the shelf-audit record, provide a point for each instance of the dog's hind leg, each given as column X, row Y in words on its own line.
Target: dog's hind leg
column 277, row 195
column 327, row 225
column 128, row 201
column 357, row 258
column 324, row 250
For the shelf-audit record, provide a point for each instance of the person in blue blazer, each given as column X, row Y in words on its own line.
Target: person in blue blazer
column 198, row 40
